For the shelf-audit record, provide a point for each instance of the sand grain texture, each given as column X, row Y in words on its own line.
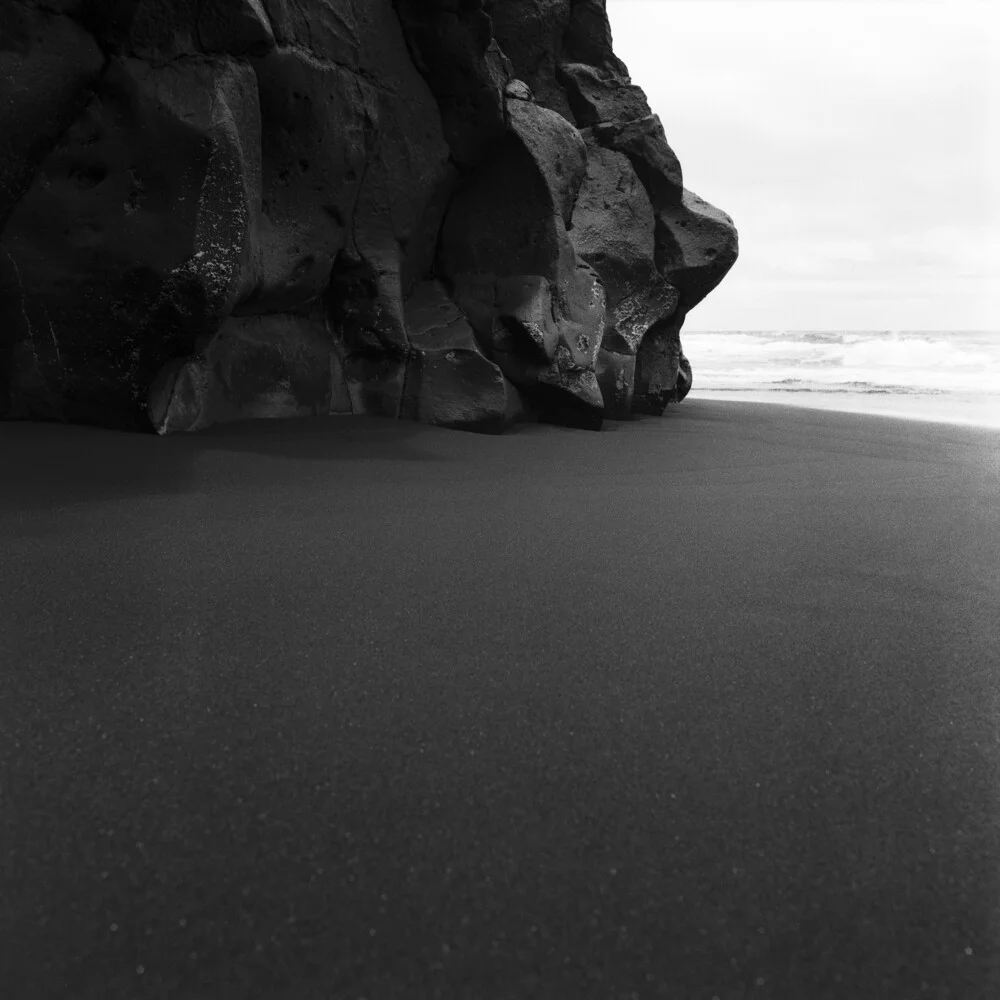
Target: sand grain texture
column 692, row 707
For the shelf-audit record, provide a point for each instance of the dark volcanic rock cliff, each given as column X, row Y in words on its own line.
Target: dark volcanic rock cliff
column 452, row 211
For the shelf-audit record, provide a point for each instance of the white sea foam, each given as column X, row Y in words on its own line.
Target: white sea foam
column 951, row 369
column 895, row 361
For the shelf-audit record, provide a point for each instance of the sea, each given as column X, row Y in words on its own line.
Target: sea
column 950, row 376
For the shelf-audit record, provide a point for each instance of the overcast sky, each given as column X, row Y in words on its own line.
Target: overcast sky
column 856, row 143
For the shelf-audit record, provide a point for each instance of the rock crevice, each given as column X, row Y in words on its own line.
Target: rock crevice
column 461, row 213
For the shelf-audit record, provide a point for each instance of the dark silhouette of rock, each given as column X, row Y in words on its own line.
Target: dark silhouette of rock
column 537, row 307
column 449, row 381
column 453, row 46
column 614, row 231
column 278, row 365
column 451, row 211
column 134, row 239
column 47, row 63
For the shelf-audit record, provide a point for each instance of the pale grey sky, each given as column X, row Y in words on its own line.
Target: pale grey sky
column 856, row 143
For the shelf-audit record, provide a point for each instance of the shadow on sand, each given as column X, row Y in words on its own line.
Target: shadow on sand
column 48, row 465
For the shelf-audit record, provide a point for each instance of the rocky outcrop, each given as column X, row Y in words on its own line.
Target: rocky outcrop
column 450, row 211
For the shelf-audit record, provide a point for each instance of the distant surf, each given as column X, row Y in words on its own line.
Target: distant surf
column 944, row 375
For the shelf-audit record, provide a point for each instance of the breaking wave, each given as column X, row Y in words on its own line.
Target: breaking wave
column 850, row 361
column 862, row 388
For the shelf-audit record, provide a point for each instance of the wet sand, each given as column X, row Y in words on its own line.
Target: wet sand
column 974, row 409
column 698, row 707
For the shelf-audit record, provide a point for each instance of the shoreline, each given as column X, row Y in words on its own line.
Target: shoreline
column 955, row 408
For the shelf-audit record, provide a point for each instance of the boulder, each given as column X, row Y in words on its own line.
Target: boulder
column 684, row 379
column 134, row 239
column 643, row 141
column 614, row 231
column 47, row 65
column 454, row 49
column 696, row 245
column 531, row 36
column 658, row 368
column 252, row 367
column 449, row 382
column 596, row 81
column 239, row 27
column 451, row 211
column 318, row 130
column 557, row 149
column 162, row 30
column 596, row 95
column 588, row 38
column 537, row 308
column 358, row 220
column 355, row 179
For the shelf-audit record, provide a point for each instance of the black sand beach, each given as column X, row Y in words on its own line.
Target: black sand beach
column 702, row 706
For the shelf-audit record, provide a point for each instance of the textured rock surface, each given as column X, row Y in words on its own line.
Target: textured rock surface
column 462, row 213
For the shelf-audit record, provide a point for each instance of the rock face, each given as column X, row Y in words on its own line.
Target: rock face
column 451, row 211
